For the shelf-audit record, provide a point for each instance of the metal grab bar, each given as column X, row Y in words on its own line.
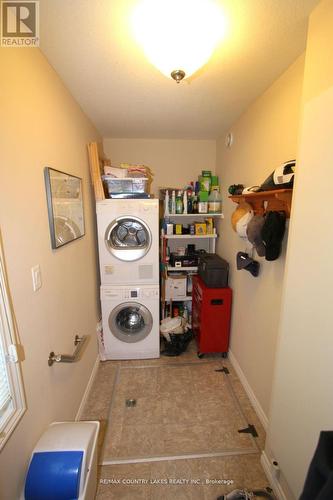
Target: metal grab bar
column 67, row 358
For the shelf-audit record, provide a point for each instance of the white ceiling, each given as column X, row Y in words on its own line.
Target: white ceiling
column 89, row 44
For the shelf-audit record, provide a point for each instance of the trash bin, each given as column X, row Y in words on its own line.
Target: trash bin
column 63, row 464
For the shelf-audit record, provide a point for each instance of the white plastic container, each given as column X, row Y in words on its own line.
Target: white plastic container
column 185, row 202
column 173, row 202
column 214, row 202
column 126, row 185
column 203, row 207
column 63, row 437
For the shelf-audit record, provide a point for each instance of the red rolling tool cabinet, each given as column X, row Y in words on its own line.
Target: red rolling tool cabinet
column 211, row 310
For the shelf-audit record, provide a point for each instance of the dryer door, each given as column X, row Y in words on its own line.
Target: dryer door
column 128, row 238
column 130, row 322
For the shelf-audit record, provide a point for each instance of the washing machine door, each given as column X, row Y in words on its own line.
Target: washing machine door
column 130, row 322
column 128, row 238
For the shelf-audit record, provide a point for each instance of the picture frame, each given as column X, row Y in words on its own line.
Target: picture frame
column 65, row 207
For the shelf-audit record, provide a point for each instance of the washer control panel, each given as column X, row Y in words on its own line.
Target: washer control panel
column 131, row 293
column 125, row 293
column 150, row 292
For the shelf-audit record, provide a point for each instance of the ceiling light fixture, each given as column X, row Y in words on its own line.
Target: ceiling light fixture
column 178, row 36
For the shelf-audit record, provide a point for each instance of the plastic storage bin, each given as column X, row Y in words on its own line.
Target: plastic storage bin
column 63, row 464
column 114, row 185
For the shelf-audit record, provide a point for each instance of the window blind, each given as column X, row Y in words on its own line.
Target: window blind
column 5, row 392
column 5, row 395
column 12, row 403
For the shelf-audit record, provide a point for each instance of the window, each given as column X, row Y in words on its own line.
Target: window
column 12, row 405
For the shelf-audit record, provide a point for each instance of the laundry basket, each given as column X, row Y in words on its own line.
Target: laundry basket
column 176, row 336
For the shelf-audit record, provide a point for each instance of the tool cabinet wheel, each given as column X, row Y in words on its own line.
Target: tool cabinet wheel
column 200, row 355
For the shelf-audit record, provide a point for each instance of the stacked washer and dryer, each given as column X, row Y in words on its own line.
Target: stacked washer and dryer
column 128, row 241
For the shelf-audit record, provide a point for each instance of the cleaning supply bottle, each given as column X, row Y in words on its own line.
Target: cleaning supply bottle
column 166, row 204
column 214, row 202
column 195, row 204
column 185, row 202
column 179, row 203
column 173, row 202
column 189, row 201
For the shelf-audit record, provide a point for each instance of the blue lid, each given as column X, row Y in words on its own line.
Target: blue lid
column 54, row 475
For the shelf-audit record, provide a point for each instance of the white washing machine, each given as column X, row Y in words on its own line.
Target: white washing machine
column 128, row 241
column 131, row 321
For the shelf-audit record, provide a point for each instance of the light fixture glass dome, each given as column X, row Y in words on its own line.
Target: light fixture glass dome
column 178, row 34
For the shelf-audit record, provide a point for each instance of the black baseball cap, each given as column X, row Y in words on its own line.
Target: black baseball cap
column 244, row 261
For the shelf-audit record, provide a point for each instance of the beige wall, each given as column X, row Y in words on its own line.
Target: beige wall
column 41, row 125
column 173, row 162
column 319, row 67
column 264, row 137
column 302, row 405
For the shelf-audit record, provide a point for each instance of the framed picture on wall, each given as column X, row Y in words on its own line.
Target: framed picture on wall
column 65, row 206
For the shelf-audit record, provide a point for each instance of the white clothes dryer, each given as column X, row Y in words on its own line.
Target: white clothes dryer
column 130, row 318
column 128, row 241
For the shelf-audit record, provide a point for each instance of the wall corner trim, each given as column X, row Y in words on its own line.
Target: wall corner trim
column 255, row 403
column 275, row 484
column 87, row 389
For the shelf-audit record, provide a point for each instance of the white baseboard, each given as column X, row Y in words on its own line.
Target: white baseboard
column 274, row 482
column 255, row 403
column 87, row 390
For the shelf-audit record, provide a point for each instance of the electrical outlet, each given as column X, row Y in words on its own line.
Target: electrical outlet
column 36, row 278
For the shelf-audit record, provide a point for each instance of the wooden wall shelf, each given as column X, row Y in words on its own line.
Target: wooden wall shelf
column 264, row 201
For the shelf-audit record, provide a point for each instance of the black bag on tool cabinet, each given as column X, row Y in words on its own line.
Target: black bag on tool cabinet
column 213, row 270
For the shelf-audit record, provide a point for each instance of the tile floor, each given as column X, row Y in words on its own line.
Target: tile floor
column 184, row 409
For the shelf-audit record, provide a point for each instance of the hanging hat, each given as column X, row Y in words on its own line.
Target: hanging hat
column 253, row 232
column 281, row 178
column 244, row 261
column 240, row 218
column 272, row 234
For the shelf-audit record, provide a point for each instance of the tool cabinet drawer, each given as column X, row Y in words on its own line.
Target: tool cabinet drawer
column 211, row 312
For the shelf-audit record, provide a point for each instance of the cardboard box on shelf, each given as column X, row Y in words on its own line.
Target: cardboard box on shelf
column 200, row 228
column 175, row 286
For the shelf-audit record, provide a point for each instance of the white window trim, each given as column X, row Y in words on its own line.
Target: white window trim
column 18, row 406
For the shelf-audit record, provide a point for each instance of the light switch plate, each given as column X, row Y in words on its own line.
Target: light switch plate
column 36, row 278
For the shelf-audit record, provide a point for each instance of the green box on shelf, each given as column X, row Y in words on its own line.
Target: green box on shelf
column 203, row 195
